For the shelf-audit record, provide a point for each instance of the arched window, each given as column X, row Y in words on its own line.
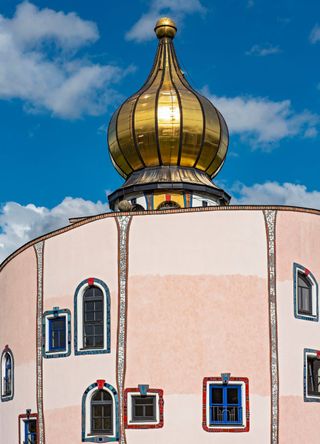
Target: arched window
column 92, row 317
column 304, row 294
column 93, row 322
column 168, row 205
column 102, row 413
column 7, row 375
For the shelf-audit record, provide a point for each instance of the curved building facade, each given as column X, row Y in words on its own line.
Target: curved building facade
column 164, row 325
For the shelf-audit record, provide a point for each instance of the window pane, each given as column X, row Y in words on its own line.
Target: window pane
column 89, row 316
column 89, row 341
column 107, row 425
column 139, row 410
column 232, row 396
column 98, row 306
column 149, row 410
column 98, row 341
column 217, row 395
column 97, row 411
column 88, row 329
column 98, row 316
column 97, row 424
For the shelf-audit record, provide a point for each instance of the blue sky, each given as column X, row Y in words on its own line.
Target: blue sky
column 66, row 65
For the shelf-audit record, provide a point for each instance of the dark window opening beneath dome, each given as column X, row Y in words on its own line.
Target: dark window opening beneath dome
column 304, row 294
column 168, row 205
column 102, row 413
column 204, row 203
column 93, row 319
column 143, row 408
column 137, row 207
column 313, row 376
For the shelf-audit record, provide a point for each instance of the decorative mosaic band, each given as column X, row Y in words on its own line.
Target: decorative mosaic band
column 123, row 223
column 270, row 220
column 39, row 247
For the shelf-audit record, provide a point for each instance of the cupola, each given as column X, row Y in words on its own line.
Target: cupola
column 167, row 140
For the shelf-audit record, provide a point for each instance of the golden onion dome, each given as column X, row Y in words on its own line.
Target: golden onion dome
column 167, row 122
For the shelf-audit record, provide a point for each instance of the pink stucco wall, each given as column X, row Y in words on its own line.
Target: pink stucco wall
column 18, row 290
column 198, row 306
column 88, row 251
column 298, row 240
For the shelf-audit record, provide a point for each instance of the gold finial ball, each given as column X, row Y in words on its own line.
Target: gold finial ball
column 165, row 27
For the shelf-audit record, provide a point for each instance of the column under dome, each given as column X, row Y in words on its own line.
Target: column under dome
column 167, row 140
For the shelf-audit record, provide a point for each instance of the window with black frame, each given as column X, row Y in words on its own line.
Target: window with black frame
column 102, row 413
column 313, row 374
column 93, row 319
column 143, row 408
column 304, row 294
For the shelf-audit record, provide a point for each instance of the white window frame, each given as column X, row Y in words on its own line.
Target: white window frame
column 79, row 349
column 87, row 426
column 51, row 315
column 315, row 311
column 3, row 372
column 243, row 405
column 131, row 421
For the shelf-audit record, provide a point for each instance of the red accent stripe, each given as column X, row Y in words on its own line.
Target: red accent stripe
column 168, row 197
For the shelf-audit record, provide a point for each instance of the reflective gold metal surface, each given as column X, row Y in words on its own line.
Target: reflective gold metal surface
column 167, row 122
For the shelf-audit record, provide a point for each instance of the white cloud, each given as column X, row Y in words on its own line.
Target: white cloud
column 142, row 30
column 263, row 122
column 273, row 193
column 21, row 223
column 39, row 63
column 315, row 34
column 262, row 51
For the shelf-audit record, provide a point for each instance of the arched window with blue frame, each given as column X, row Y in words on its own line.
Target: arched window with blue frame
column 92, row 317
column 7, row 375
column 100, row 413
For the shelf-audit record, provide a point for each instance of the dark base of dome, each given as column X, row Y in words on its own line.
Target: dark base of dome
column 219, row 196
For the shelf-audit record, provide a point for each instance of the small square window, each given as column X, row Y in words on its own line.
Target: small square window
column 143, row 410
column 312, row 375
column 226, row 405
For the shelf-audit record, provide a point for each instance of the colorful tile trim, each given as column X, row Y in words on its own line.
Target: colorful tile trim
column 39, row 250
column 83, row 412
column 205, row 426
column 157, row 425
column 307, row 398
column 123, row 223
column 7, row 350
column 91, row 281
column 313, row 318
column 270, row 222
column 60, row 354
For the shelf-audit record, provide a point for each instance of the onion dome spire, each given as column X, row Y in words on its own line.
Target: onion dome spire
column 167, row 133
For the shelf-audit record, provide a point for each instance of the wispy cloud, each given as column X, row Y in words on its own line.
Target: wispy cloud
column 142, row 30
column 274, row 193
column 315, row 34
column 21, row 223
column 39, row 63
column 263, row 122
column 262, row 51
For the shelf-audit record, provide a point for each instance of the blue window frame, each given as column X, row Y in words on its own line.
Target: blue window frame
column 225, row 404
column 57, row 333
column 30, row 431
